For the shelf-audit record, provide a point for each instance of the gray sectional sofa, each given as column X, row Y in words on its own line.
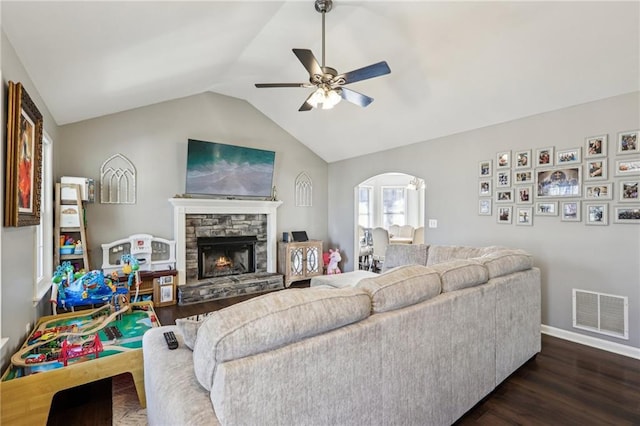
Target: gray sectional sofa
column 419, row 344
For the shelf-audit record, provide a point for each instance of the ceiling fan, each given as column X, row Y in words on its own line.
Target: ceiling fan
column 328, row 83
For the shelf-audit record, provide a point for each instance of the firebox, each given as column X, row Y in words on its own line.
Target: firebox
column 222, row 256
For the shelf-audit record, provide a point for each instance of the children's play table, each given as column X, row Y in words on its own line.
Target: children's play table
column 94, row 344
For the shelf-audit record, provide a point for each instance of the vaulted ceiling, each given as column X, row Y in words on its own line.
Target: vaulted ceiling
column 455, row 66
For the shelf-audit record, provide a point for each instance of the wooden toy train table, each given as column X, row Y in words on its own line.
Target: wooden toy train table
column 69, row 350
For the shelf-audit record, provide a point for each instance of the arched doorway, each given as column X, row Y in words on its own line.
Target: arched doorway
column 382, row 201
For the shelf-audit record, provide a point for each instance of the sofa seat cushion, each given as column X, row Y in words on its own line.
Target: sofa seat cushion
column 460, row 273
column 271, row 321
column 504, row 262
column 400, row 287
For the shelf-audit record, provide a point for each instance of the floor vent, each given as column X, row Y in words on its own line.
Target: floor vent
column 601, row 313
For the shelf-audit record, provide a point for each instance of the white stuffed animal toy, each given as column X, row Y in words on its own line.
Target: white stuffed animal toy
column 334, row 259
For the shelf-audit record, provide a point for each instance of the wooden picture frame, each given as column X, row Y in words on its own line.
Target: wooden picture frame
column 596, row 169
column 524, row 216
column 23, row 166
column 628, row 167
column 544, row 157
column 559, row 182
column 503, row 178
column 524, row 194
column 596, row 213
column 628, row 192
column 521, row 177
column 547, row 208
column 485, row 168
column 484, row 207
column 504, row 215
column 628, row 142
column 598, row 191
column 522, row 159
column 568, row 156
column 626, row 214
column 504, row 195
column 570, row 211
column 596, row 146
column 484, row 188
column 503, row 160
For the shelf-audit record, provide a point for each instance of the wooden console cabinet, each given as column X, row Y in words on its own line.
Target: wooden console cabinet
column 299, row 261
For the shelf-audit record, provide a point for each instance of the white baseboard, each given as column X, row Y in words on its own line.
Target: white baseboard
column 594, row 342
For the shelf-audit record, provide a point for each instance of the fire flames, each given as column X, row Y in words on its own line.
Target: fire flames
column 223, row 262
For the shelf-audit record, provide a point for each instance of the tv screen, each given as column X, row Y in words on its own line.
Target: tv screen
column 228, row 170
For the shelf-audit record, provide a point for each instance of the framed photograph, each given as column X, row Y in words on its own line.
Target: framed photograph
column 602, row 191
column 629, row 191
column 504, row 215
column 628, row 167
column 559, row 182
column 626, row 214
column 596, row 213
column 544, row 156
column 503, row 160
column 595, row 146
column 524, row 216
column 522, row 177
column 547, row 208
column 570, row 211
column 503, row 178
column 596, row 169
column 522, row 159
column 484, row 207
column 568, row 156
column 484, row 189
column 628, row 142
column 23, row 167
column 524, row 195
column 504, row 195
column 485, row 168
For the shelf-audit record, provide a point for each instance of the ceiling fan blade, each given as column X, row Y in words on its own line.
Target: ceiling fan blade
column 355, row 97
column 306, row 106
column 309, row 61
column 371, row 71
column 267, row 85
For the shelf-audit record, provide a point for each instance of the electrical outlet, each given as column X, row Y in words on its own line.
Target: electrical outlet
column 433, row 223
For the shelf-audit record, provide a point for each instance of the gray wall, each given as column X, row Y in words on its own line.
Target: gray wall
column 571, row 254
column 18, row 257
column 154, row 139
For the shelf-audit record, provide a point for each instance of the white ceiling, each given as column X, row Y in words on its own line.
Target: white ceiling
column 455, row 66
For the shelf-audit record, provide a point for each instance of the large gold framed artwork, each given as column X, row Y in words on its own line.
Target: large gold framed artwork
column 23, row 168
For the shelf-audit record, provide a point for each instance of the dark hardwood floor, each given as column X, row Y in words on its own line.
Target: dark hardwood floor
column 565, row 384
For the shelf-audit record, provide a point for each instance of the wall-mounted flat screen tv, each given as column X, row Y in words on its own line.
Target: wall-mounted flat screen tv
column 227, row 170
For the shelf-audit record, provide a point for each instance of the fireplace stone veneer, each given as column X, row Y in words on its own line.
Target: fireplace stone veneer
column 201, row 217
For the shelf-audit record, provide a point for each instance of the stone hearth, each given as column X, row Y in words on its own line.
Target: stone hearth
column 229, row 286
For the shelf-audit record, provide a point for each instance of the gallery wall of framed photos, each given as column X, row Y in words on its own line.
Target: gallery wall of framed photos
column 573, row 184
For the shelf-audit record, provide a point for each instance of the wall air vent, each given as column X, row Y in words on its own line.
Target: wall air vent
column 601, row 313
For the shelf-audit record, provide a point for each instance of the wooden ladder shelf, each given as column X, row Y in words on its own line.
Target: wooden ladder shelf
column 70, row 222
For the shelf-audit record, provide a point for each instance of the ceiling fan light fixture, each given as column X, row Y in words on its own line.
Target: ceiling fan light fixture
column 325, row 98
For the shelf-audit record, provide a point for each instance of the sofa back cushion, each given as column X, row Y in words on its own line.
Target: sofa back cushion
column 440, row 254
column 271, row 321
column 504, row 262
column 400, row 287
column 460, row 273
column 404, row 254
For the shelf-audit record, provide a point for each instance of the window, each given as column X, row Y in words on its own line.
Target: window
column 365, row 204
column 44, row 231
column 394, row 206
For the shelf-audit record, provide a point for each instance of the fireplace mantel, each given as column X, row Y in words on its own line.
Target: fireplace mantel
column 184, row 206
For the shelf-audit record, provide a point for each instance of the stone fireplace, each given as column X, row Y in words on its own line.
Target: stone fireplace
column 224, row 247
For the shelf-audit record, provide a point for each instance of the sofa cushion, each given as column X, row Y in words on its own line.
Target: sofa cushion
column 440, row 254
column 400, row 287
column 504, row 262
column 404, row 254
column 461, row 273
column 271, row 321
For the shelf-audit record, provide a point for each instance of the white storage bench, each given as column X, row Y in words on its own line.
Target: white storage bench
column 346, row 279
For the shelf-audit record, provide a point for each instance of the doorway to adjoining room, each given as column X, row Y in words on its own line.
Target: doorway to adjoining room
column 389, row 209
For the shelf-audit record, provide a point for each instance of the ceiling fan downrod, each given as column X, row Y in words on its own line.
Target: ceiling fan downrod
column 323, row 6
